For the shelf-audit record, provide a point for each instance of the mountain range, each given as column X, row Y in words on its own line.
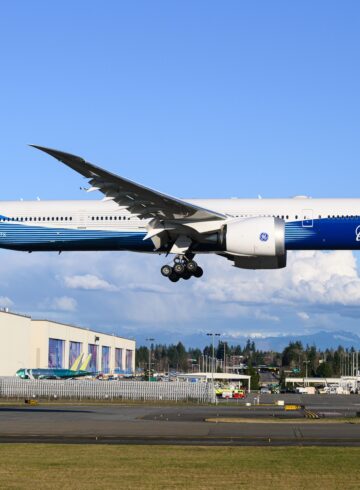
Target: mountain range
column 322, row 340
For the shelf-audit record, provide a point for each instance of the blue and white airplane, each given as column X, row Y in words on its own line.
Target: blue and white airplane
column 251, row 233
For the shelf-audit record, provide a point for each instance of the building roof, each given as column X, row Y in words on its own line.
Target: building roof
column 6, row 311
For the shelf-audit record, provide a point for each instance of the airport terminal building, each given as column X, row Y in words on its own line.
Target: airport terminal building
column 29, row 343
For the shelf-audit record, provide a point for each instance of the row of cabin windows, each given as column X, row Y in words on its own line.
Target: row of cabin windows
column 106, row 218
column 101, row 218
column 57, row 218
column 38, row 218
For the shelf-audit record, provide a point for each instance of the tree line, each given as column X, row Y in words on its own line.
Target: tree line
column 295, row 358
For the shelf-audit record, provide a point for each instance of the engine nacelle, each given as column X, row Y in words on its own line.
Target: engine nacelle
column 260, row 236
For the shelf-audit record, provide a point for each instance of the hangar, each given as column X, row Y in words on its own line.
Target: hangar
column 30, row 343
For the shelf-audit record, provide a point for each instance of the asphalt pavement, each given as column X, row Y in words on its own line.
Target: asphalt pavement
column 149, row 424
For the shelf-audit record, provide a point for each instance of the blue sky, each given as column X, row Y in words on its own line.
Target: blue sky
column 197, row 99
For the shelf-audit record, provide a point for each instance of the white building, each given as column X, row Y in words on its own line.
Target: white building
column 28, row 343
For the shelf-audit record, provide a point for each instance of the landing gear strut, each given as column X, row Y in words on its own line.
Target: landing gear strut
column 183, row 268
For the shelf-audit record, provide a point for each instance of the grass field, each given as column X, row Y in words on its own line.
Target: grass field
column 45, row 466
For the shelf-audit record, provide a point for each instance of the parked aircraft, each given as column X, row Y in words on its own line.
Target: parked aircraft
column 77, row 370
column 251, row 233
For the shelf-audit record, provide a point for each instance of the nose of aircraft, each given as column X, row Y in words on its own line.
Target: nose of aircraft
column 20, row 373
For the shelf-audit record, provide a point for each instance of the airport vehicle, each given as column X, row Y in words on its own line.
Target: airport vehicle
column 264, row 390
column 251, row 233
column 305, row 390
column 77, row 370
column 239, row 394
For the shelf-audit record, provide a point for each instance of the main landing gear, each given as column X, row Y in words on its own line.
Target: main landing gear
column 182, row 269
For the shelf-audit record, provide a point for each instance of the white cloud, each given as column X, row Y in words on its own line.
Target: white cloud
column 5, row 302
column 88, row 281
column 64, row 303
column 303, row 315
column 323, row 286
column 314, row 278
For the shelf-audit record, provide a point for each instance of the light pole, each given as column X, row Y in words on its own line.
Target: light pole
column 150, row 339
column 306, row 368
column 212, row 334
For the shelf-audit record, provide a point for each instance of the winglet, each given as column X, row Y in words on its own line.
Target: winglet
column 62, row 156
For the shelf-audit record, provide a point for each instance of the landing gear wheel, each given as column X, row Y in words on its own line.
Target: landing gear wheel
column 191, row 266
column 186, row 275
column 198, row 272
column 166, row 270
column 179, row 268
column 174, row 277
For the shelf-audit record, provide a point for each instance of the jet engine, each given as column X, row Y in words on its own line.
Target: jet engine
column 259, row 237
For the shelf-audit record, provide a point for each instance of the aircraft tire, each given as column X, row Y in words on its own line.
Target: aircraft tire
column 191, row 266
column 179, row 268
column 186, row 275
column 198, row 272
column 166, row 270
column 174, row 277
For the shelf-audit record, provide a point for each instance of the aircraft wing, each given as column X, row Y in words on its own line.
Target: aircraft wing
column 140, row 200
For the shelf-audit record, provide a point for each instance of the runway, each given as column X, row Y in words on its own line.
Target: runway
column 142, row 424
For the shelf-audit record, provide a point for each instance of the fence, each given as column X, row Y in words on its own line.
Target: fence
column 11, row 387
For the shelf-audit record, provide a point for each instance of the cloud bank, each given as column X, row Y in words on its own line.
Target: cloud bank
column 124, row 293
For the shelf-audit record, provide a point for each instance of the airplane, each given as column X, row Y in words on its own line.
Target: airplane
column 251, row 233
column 76, row 371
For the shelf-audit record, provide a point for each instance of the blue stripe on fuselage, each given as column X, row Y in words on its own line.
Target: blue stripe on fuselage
column 40, row 238
column 325, row 234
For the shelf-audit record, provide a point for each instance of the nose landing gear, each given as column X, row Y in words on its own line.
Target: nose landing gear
column 183, row 268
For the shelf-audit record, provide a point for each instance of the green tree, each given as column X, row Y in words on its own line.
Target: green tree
column 255, row 378
column 324, row 370
column 292, row 355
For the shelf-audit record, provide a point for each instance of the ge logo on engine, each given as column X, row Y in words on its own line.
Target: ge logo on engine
column 264, row 237
column 357, row 233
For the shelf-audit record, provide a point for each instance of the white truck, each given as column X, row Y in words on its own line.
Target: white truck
column 305, row 390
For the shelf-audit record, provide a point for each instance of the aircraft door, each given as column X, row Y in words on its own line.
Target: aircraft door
column 82, row 219
column 307, row 218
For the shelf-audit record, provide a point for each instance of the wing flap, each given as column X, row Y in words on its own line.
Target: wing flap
column 138, row 199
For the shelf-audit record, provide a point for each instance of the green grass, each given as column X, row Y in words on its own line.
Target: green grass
column 45, row 466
